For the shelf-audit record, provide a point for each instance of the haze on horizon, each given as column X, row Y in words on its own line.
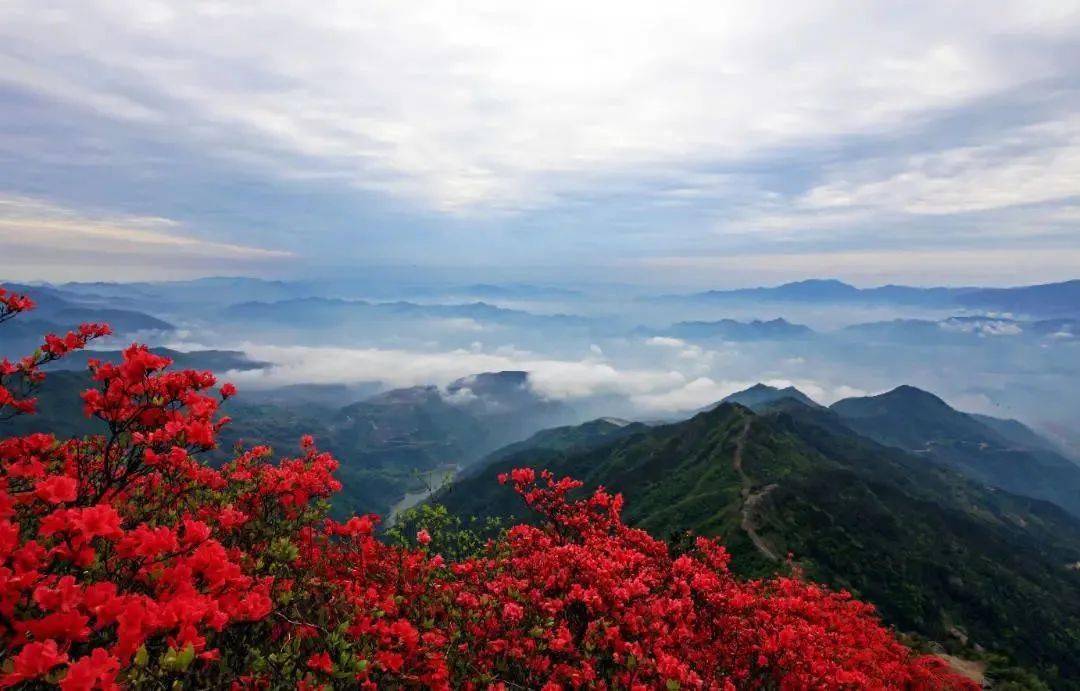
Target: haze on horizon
column 682, row 144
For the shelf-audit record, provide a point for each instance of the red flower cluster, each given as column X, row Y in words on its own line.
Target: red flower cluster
column 125, row 560
column 18, row 380
column 13, row 303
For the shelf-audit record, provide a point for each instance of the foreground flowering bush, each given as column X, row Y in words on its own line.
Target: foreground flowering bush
column 127, row 561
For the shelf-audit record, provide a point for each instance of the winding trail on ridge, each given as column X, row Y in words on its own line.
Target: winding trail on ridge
column 751, row 498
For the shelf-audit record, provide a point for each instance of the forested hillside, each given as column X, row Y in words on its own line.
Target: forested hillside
column 940, row 555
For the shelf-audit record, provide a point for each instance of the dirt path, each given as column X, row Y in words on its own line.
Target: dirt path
column 972, row 669
column 751, row 498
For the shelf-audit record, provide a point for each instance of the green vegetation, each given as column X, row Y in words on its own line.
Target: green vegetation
column 387, row 444
column 1001, row 453
column 453, row 537
column 941, row 556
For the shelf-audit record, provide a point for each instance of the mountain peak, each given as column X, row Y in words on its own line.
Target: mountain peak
column 820, row 283
column 817, row 289
column 761, row 396
column 907, row 392
column 903, row 401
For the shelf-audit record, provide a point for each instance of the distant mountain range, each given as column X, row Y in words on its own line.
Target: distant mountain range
column 327, row 312
column 1051, row 299
column 956, row 330
column 504, row 291
column 203, row 291
column 833, row 291
column 59, row 312
column 732, row 330
column 247, row 289
column 962, row 563
column 1046, row 300
column 961, row 329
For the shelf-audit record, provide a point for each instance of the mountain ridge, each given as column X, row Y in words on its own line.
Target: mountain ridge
column 734, row 330
column 881, row 522
column 1049, row 299
column 920, row 422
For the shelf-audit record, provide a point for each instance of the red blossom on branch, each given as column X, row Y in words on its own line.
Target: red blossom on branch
column 19, row 380
column 12, row 304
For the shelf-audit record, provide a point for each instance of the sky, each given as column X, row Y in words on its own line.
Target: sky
column 697, row 143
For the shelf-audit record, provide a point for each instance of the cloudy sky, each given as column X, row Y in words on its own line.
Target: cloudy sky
column 712, row 143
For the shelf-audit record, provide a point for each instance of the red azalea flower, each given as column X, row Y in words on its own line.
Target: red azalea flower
column 56, row 489
column 34, row 660
column 321, row 662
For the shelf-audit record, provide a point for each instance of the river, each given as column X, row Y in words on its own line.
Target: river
column 434, row 479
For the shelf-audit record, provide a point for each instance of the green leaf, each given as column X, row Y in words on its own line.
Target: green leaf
column 186, row 657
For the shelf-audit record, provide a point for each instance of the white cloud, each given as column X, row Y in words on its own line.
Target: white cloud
column 824, row 393
column 498, row 105
column 693, row 395
column 665, row 342
column 846, row 392
column 686, row 354
column 1029, row 165
column 702, row 391
column 982, row 327
column 658, row 390
column 29, row 224
column 1018, row 182
column 460, row 397
column 551, row 378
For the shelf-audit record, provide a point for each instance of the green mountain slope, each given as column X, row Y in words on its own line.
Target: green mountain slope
column 1016, row 432
column 569, row 438
column 997, row 454
column 939, row 555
